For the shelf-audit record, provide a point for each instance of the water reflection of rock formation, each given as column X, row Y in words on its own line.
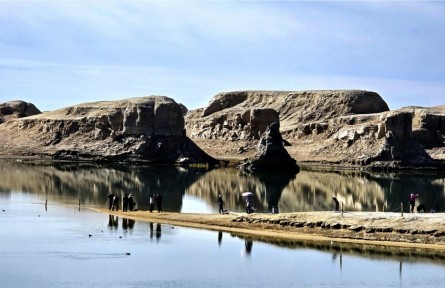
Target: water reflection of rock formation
column 267, row 188
column 313, row 191
column 305, row 191
column 67, row 183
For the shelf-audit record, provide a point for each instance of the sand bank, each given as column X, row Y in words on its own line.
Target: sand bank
column 414, row 230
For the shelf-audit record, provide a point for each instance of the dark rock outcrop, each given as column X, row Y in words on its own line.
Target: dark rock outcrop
column 17, row 109
column 271, row 154
column 138, row 129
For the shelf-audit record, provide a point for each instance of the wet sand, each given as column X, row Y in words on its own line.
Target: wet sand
column 412, row 230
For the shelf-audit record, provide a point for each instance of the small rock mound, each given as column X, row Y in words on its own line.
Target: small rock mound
column 17, row 109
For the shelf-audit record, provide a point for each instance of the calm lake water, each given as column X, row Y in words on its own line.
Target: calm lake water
column 196, row 190
column 51, row 246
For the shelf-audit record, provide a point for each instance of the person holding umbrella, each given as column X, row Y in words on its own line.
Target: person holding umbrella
column 250, row 206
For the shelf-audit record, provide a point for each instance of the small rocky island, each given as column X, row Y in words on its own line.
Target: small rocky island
column 350, row 129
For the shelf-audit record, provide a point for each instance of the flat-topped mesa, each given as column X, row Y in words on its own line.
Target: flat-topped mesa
column 146, row 128
column 17, row 109
column 230, row 115
column 348, row 128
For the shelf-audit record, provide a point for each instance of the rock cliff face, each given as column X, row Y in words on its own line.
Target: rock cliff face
column 351, row 128
column 147, row 128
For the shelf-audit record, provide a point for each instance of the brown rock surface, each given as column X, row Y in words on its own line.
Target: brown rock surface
column 16, row 109
column 345, row 128
column 146, row 128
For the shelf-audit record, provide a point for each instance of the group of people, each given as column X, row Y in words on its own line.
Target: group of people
column 412, row 202
column 250, row 205
column 158, row 200
column 129, row 204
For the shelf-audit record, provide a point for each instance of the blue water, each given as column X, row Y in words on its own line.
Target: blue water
column 53, row 248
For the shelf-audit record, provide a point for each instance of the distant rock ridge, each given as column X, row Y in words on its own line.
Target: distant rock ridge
column 344, row 128
column 137, row 129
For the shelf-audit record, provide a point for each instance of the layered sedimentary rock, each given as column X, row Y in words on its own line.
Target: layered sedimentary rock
column 429, row 129
column 271, row 154
column 352, row 128
column 17, row 109
column 146, row 128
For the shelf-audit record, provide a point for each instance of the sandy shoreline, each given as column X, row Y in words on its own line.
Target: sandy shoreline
column 419, row 230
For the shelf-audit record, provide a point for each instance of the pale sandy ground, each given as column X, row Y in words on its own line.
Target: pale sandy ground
column 413, row 230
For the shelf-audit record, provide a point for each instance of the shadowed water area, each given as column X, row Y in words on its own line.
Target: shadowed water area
column 63, row 245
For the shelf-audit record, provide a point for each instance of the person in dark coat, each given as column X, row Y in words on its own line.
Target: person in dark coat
column 220, row 203
column 130, row 202
column 337, row 204
column 115, row 203
column 125, row 202
column 159, row 202
column 412, row 201
column 110, row 200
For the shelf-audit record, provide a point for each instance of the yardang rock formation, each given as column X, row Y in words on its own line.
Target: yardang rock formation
column 344, row 128
column 138, row 129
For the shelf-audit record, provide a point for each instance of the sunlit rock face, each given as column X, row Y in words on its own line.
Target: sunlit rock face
column 345, row 128
column 145, row 128
column 17, row 109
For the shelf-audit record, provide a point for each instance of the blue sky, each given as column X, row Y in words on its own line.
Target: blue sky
column 60, row 53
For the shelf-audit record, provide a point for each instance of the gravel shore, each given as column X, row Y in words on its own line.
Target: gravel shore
column 412, row 230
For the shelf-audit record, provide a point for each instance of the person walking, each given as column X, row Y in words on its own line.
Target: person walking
column 220, row 204
column 110, row 200
column 115, row 203
column 152, row 202
column 125, row 203
column 159, row 202
column 412, row 201
column 130, row 202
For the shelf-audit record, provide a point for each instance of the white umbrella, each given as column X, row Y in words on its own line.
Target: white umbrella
column 245, row 194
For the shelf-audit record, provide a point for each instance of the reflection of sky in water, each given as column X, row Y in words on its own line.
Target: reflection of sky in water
column 194, row 204
column 55, row 250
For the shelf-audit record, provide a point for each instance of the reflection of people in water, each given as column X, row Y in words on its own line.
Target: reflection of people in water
column 220, row 234
column 248, row 243
column 113, row 221
column 151, row 230
column 124, row 223
column 158, row 231
column 131, row 223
